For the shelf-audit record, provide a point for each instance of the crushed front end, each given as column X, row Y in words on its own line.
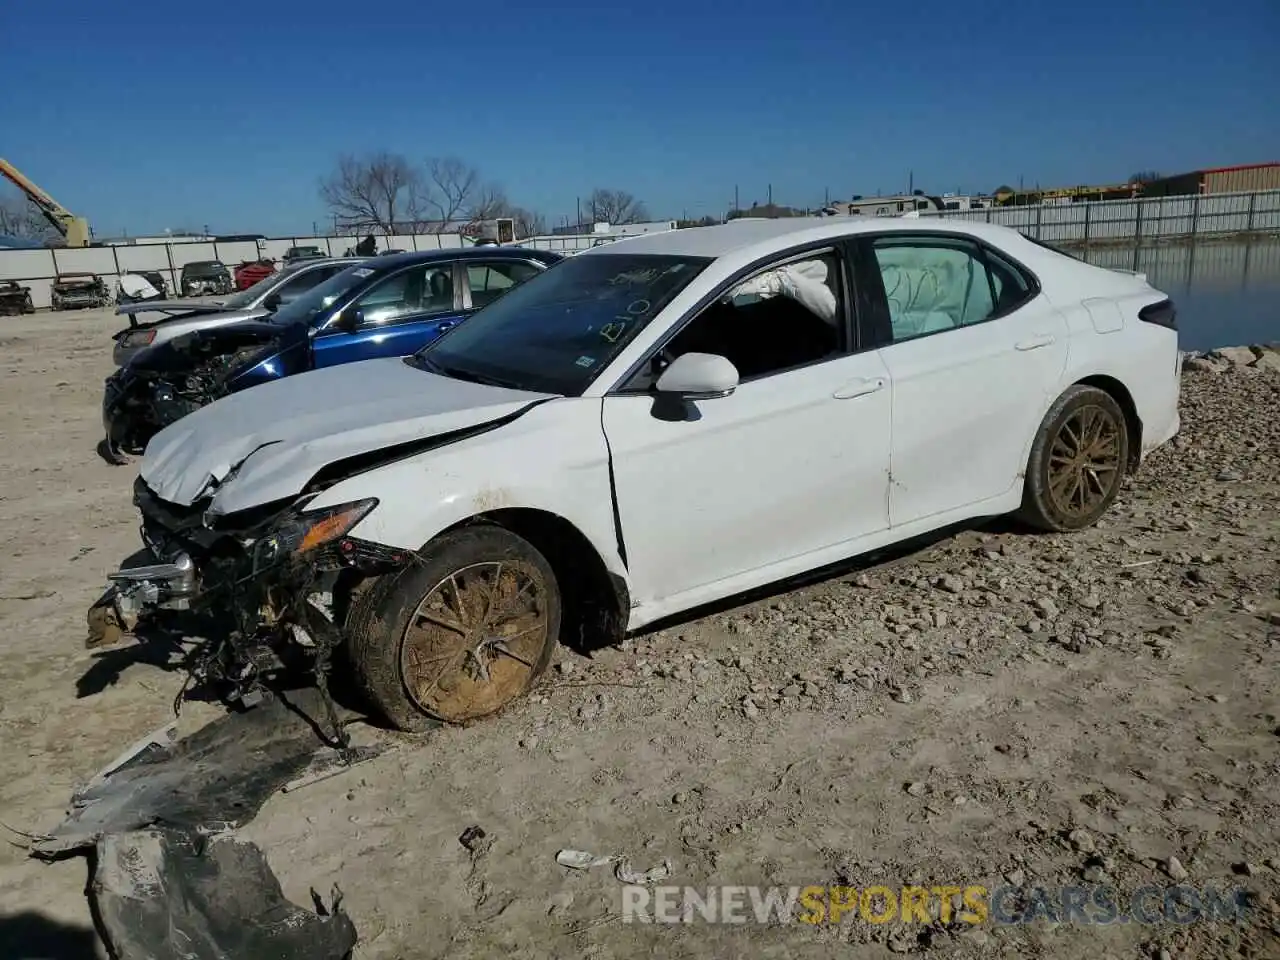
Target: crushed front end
column 174, row 379
column 267, row 590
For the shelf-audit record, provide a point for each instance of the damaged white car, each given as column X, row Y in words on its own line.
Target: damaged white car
column 651, row 425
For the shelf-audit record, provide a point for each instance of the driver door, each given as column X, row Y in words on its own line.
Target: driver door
column 396, row 316
column 743, row 489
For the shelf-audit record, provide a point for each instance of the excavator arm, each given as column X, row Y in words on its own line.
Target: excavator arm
column 75, row 230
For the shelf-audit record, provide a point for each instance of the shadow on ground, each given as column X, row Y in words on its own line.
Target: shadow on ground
column 33, row 936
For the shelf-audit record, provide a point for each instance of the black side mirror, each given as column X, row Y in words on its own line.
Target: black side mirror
column 350, row 320
column 273, row 302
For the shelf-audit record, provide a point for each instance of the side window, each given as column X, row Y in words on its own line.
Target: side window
column 411, row 293
column 490, row 280
column 1009, row 285
column 932, row 284
column 783, row 317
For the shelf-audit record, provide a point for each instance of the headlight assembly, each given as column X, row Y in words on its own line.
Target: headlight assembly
column 300, row 533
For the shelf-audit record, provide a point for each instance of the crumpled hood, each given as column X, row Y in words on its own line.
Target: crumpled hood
column 278, row 435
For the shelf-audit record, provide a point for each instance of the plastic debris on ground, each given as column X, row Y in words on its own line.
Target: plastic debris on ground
column 164, row 877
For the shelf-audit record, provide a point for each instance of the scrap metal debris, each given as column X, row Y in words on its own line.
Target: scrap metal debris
column 168, row 893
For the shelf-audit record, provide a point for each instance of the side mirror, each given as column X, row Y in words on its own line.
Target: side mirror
column 273, row 302
column 350, row 320
column 698, row 376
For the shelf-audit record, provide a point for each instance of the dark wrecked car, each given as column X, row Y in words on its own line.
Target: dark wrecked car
column 384, row 308
column 205, row 278
column 152, row 322
column 78, row 291
column 15, row 299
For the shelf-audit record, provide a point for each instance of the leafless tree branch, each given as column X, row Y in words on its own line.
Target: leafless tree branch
column 615, row 206
column 21, row 218
column 377, row 192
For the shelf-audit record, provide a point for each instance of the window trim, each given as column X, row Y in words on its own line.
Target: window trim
column 848, row 331
column 467, row 304
column 881, row 331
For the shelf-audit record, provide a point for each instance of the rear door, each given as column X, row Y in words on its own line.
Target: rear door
column 975, row 353
column 487, row 280
column 397, row 315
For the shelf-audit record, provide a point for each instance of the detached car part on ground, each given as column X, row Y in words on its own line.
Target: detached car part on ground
column 15, row 299
column 154, row 322
column 205, row 278
column 387, row 307
column 140, row 286
column 652, row 425
column 78, row 291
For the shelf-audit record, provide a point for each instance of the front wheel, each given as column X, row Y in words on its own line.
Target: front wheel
column 458, row 635
column 1077, row 461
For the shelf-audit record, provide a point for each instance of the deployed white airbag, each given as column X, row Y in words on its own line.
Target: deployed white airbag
column 806, row 283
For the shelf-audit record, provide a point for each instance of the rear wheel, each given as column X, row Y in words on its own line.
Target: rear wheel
column 1077, row 461
column 460, row 634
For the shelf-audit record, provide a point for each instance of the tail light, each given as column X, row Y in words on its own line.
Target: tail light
column 140, row 338
column 1162, row 314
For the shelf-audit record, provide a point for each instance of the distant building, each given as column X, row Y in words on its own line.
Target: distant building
column 614, row 229
column 894, row 206
column 1248, row 178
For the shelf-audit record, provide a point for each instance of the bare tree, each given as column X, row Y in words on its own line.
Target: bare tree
column 527, row 222
column 377, row 192
column 615, row 206
column 1144, row 176
column 21, row 218
column 450, row 190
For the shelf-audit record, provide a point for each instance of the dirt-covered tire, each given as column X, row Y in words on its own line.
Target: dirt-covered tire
column 459, row 634
column 1077, row 461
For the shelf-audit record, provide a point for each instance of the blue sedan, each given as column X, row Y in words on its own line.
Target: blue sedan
column 386, row 307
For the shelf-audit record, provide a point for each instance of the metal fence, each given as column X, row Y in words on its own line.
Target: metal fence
column 38, row 268
column 1144, row 220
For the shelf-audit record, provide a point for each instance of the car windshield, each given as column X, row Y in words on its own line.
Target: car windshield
column 319, row 298
column 555, row 332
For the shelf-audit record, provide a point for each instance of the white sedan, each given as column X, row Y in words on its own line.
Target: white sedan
column 651, row 425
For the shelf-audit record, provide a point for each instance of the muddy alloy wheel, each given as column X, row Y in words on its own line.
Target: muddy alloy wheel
column 1077, row 462
column 459, row 635
column 475, row 640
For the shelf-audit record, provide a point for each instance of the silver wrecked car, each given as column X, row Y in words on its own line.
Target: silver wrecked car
column 153, row 322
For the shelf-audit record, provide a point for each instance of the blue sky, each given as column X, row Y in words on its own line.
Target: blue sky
column 147, row 115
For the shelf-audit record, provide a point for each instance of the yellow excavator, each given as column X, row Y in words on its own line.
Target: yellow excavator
column 74, row 230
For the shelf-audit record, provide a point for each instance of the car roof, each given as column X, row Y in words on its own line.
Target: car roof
column 465, row 253
column 760, row 237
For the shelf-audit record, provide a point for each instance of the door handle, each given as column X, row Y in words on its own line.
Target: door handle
column 859, row 388
column 1035, row 343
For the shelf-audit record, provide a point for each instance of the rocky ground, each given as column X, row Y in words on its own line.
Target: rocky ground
column 993, row 708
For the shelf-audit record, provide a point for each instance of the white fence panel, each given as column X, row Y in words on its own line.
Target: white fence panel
column 184, row 253
column 25, row 264
column 100, row 260
column 236, row 252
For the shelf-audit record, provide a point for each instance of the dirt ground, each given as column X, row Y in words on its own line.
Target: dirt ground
column 997, row 708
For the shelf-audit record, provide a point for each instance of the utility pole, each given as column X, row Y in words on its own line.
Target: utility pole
column 771, row 194
column 911, row 182
column 826, row 196
column 579, row 201
column 735, row 198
